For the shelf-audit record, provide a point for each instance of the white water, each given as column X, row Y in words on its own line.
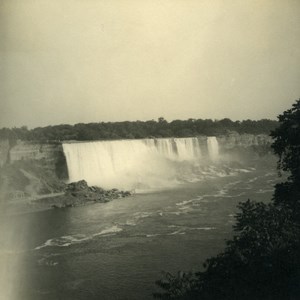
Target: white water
column 135, row 164
column 213, row 148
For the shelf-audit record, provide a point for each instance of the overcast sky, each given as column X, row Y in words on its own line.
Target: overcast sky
column 71, row 61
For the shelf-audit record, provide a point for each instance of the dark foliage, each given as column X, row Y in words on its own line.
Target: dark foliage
column 287, row 147
column 262, row 261
column 137, row 130
column 287, row 141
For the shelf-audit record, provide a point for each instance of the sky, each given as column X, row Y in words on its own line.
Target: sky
column 80, row 61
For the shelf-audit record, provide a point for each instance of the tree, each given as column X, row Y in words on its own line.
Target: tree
column 287, row 146
column 287, row 141
column 161, row 120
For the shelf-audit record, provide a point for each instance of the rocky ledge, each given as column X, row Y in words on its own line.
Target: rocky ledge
column 79, row 193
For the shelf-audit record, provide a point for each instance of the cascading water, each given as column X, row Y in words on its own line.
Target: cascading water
column 213, row 147
column 134, row 164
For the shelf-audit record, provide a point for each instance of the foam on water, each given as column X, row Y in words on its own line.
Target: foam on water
column 46, row 262
column 68, row 240
column 182, row 230
column 113, row 229
column 187, row 205
column 63, row 241
column 203, row 228
column 185, row 202
column 263, row 191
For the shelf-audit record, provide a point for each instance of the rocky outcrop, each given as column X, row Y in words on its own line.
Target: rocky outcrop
column 79, row 193
column 80, row 189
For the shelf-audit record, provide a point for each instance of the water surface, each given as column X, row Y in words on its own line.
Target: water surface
column 118, row 249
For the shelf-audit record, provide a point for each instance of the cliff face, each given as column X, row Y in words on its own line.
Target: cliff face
column 234, row 140
column 244, row 147
column 29, row 169
column 28, row 151
column 51, row 155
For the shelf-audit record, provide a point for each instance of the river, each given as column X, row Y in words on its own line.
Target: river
column 117, row 250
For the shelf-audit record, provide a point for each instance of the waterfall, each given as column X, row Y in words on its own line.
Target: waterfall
column 134, row 163
column 213, row 147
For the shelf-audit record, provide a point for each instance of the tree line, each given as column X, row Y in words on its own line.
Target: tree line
column 138, row 129
column 262, row 261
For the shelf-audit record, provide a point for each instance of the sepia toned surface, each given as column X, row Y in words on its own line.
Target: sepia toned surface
column 70, row 61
